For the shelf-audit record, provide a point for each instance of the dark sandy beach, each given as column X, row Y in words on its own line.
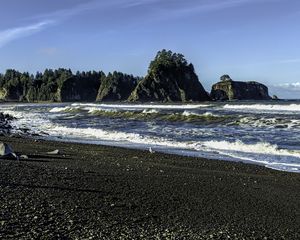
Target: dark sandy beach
column 99, row 192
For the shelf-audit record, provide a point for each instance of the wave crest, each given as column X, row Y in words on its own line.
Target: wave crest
column 260, row 148
column 265, row 107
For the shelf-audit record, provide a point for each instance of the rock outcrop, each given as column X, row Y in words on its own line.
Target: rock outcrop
column 12, row 94
column 227, row 89
column 170, row 79
column 116, row 86
column 78, row 89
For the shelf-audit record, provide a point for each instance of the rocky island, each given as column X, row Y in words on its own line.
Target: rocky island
column 227, row 89
column 170, row 78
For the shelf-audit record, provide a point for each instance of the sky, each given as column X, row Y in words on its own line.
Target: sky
column 251, row 40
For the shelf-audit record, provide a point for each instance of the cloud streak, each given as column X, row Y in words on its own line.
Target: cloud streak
column 290, row 86
column 163, row 10
column 286, row 90
column 42, row 22
column 11, row 34
column 169, row 9
column 46, row 20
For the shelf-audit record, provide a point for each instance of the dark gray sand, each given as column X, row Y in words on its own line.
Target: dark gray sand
column 99, row 192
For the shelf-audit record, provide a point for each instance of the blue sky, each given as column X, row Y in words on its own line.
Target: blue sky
column 247, row 39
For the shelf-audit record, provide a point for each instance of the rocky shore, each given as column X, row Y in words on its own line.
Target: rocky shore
column 99, row 192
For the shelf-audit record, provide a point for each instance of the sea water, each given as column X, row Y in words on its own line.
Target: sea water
column 265, row 133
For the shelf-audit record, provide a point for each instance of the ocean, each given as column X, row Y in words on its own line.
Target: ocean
column 264, row 133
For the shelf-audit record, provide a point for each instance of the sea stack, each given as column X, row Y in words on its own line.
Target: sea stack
column 227, row 89
column 170, row 78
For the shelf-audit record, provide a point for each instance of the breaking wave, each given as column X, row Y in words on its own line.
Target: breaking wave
column 150, row 111
column 260, row 148
column 268, row 122
column 66, row 109
column 143, row 113
column 143, row 106
column 265, row 107
column 216, row 132
column 262, row 152
column 206, row 114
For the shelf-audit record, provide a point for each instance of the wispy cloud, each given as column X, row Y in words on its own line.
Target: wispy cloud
column 290, row 86
column 170, row 9
column 11, row 34
column 137, row 3
column 167, row 9
column 45, row 20
column 63, row 14
column 286, row 90
column 42, row 22
column 211, row 6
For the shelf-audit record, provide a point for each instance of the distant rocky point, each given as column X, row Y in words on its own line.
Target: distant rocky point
column 227, row 89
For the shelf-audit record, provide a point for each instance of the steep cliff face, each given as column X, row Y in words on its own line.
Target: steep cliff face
column 12, row 94
column 170, row 79
column 228, row 89
column 116, row 87
column 78, row 89
column 13, row 85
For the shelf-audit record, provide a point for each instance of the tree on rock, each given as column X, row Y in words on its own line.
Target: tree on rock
column 170, row 78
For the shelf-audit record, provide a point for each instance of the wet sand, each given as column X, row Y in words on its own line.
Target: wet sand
column 100, row 192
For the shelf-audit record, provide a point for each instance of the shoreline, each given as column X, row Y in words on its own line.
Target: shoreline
column 107, row 192
column 183, row 153
column 267, row 150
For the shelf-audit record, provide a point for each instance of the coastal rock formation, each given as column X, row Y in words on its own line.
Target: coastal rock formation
column 116, row 86
column 5, row 126
column 274, row 97
column 11, row 94
column 227, row 89
column 78, row 89
column 13, row 85
column 170, row 79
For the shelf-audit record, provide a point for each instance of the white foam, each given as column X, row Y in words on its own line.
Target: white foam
column 63, row 109
column 33, row 121
column 260, row 148
column 95, row 110
column 269, row 122
column 206, row 114
column 265, row 107
column 144, row 106
column 150, row 111
column 261, row 153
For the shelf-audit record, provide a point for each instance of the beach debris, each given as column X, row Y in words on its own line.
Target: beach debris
column 151, row 150
column 6, row 151
column 54, row 152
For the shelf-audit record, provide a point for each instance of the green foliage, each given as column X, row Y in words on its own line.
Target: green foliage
column 116, row 86
column 16, row 84
column 41, row 87
column 167, row 60
column 170, row 78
